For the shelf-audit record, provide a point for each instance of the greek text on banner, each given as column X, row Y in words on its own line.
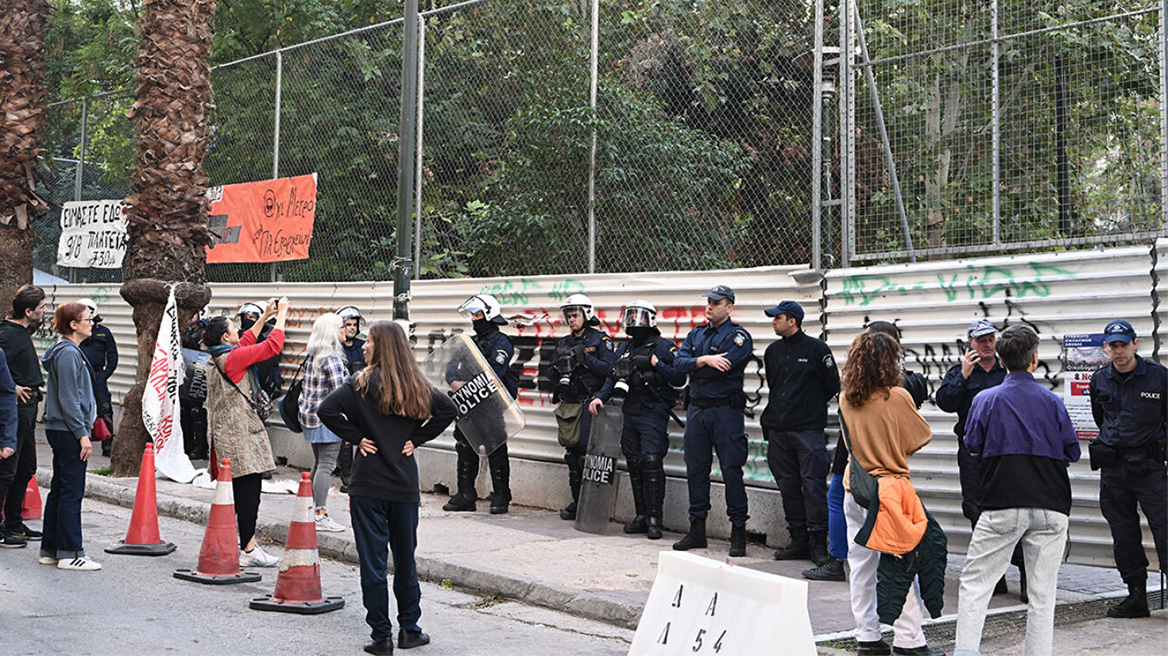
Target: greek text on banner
column 266, row 221
column 93, row 234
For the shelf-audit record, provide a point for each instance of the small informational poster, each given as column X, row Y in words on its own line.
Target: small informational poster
column 93, row 234
column 1083, row 354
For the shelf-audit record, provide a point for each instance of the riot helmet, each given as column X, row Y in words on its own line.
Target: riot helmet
column 249, row 314
column 486, row 304
column 639, row 314
column 88, row 302
column 583, row 304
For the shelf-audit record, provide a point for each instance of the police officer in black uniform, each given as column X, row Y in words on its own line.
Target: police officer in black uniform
column 486, row 316
column 715, row 357
column 1129, row 399
column 580, row 362
column 644, row 376
column 802, row 379
column 354, row 348
column 102, row 352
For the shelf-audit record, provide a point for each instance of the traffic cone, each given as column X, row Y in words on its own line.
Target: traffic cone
column 219, row 555
column 298, row 584
column 142, row 538
column 31, row 507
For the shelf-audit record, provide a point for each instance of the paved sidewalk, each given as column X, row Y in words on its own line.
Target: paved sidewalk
column 531, row 555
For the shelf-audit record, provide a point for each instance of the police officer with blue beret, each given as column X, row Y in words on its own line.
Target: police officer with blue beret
column 802, row 378
column 1129, row 400
column 644, row 376
column 715, row 357
column 580, row 363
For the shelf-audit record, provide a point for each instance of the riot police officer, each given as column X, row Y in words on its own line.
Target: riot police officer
column 715, row 357
column 579, row 365
column 486, row 316
column 102, row 352
column 644, row 375
column 353, row 346
column 1129, row 400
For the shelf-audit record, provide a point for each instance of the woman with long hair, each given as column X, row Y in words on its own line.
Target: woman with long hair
column 324, row 371
column 884, row 429
column 70, row 410
column 387, row 410
column 234, row 426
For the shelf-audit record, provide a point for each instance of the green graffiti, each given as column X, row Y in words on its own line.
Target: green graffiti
column 864, row 289
column 566, row 288
column 511, row 293
column 990, row 281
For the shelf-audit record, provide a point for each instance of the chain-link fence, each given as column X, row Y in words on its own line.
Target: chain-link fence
column 968, row 127
column 1010, row 125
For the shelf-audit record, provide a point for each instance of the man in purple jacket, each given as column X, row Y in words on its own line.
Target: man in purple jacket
column 1025, row 439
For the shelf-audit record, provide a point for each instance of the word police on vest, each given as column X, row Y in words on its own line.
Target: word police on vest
column 474, row 392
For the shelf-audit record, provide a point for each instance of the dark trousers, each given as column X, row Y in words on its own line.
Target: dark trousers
column 799, row 462
column 722, row 429
column 62, row 510
column 26, row 464
column 7, row 473
column 246, row 490
column 967, row 469
column 194, row 426
column 1121, row 489
column 378, row 524
column 645, row 432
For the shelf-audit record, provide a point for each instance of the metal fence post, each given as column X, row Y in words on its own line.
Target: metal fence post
column 817, row 145
column 847, row 134
column 592, row 152
column 1163, row 114
column 997, row 123
column 405, row 165
column 418, row 151
column 276, row 131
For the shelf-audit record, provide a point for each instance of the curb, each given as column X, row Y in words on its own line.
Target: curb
column 432, row 569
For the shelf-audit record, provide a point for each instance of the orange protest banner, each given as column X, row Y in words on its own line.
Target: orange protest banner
column 266, row 221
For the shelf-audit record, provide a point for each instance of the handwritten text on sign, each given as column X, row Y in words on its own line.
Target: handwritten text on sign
column 93, row 234
column 266, row 221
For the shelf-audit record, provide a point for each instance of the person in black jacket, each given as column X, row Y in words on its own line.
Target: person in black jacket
column 580, row 363
column 387, row 410
column 837, row 551
column 101, row 350
column 28, row 311
column 802, row 379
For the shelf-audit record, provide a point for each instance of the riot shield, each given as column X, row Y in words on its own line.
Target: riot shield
column 487, row 415
column 598, row 487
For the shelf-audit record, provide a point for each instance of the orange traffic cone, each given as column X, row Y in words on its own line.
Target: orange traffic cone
column 298, row 584
column 142, row 538
column 219, row 555
column 31, row 507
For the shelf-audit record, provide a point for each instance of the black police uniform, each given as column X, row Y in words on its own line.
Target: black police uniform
column 645, row 427
column 956, row 395
column 1132, row 414
column 354, row 362
column 498, row 351
column 714, row 415
column 591, row 354
column 102, row 352
column 802, row 378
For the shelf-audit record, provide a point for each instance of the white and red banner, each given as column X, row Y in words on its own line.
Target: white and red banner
column 160, row 411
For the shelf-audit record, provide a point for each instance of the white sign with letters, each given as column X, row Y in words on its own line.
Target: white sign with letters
column 702, row 606
column 93, row 234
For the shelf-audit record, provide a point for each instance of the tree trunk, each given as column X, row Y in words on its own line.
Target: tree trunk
column 167, row 213
column 23, row 26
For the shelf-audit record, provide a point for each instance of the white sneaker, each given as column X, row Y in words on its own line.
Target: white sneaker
column 47, row 560
column 80, row 563
column 257, row 558
column 326, row 524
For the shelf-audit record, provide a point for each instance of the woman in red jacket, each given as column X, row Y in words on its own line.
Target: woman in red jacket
column 234, row 427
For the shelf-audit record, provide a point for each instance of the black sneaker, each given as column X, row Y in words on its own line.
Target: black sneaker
column 23, row 532
column 12, row 542
column 409, row 639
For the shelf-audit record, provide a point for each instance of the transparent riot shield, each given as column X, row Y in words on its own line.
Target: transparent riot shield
column 487, row 415
column 598, row 487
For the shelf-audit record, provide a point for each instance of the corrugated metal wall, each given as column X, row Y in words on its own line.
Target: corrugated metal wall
column 932, row 303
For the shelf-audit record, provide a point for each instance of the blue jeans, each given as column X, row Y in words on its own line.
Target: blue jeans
column 377, row 524
column 837, row 524
column 62, row 511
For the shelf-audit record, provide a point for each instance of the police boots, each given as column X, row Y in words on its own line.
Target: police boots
column 818, row 548
column 696, row 538
column 575, row 463
column 738, row 538
column 500, row 480
column 1136, row 603
column 468, row 469
column 637, row 478
column 798, row 549
column 654, row 489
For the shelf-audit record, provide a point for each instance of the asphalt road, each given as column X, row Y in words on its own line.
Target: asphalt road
column 135, row 606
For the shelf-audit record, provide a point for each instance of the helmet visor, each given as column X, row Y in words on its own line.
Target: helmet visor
column 637, row 317
column 471, row 306
column 572, row 310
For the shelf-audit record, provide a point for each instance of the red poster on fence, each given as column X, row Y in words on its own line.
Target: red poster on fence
column 266, row 221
